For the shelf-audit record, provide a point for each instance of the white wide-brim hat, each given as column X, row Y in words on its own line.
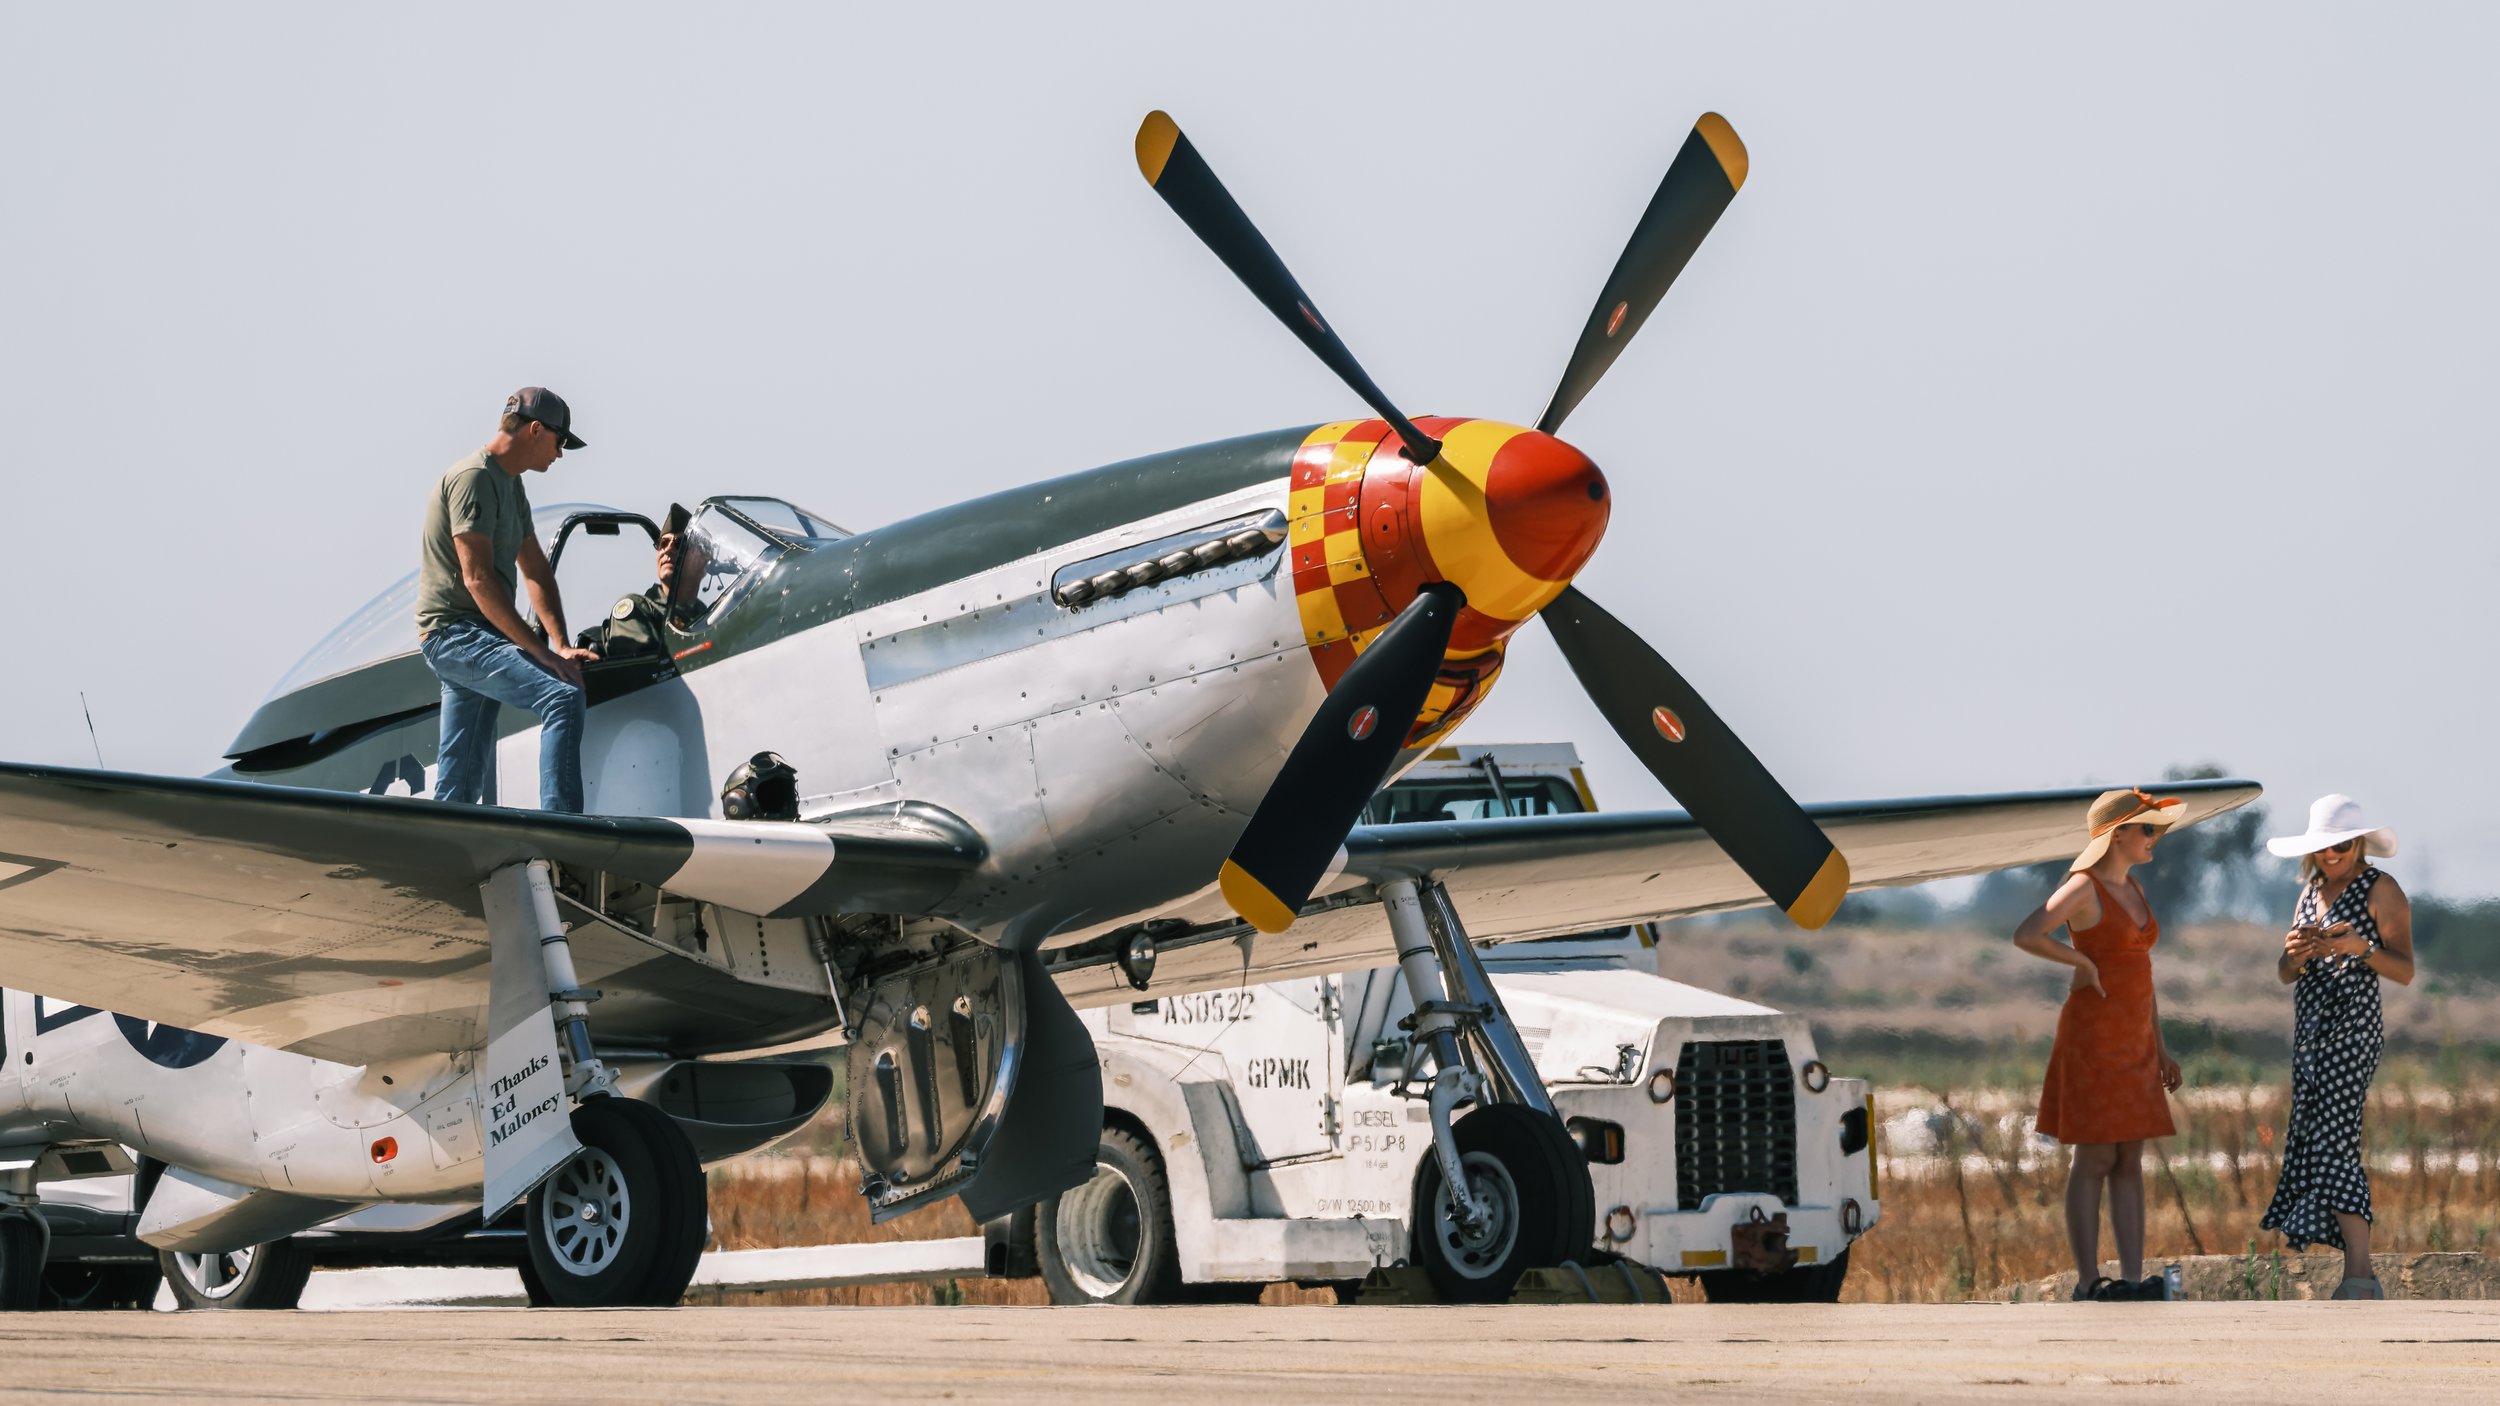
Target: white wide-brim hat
column 2333, row 820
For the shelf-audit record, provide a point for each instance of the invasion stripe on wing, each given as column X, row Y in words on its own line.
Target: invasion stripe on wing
column 754, row 866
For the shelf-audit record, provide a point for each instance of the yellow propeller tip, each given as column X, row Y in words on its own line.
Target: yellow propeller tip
column 1251, row 899
column 1156, row 136
column 1821, row 899
column 1724, row 144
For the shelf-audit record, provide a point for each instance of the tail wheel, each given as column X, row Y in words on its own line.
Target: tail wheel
column 623, row 1223
column 1110, row 1240
column 270, row 1276
column 101, row 1286
column 21, row 1264
column 1532, row 1181
column 1807, row 1283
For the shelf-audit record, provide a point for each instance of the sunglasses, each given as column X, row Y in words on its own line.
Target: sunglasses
column 2343, row 848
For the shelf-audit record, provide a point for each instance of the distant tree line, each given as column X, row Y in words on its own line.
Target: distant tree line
column 2218, row 870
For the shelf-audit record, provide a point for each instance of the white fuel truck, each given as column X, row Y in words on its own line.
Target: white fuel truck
column 1274, row 1132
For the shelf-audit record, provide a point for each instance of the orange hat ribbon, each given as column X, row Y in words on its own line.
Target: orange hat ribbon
column 2148, row 805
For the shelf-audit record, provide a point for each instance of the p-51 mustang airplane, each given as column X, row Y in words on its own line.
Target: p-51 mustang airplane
column 1108, row 734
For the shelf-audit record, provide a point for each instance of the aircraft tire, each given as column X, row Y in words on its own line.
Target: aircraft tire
column 21, row 1264
column 636, row 1171
column 1807, row 1283
column 533, row 1288
column 1537, row 1183
column 88, row 1287
column 1110, row 1240
column 270, row 1276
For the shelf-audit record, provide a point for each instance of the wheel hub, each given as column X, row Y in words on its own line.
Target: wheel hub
column 588, row 1212
column 1100, row 1229
column 217, row 1275
column 1478, row 1250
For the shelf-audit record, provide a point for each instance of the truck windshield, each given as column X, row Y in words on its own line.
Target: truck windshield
column 1472, row 798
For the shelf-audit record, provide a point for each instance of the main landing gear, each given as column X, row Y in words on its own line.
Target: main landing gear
column 622, row 1222
column 1504, row 1189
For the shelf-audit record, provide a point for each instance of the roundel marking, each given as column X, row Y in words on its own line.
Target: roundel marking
column 1668, row 724
column 1614, row 320
column 164, row 1045
column 1361, row 724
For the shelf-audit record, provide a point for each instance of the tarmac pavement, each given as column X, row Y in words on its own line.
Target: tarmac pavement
column 2212, row 1352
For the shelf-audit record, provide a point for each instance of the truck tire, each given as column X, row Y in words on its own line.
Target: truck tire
column 89, row 1287
column 1807, row 1283
column 623, row 1223
column 1535, row 1183
column 270, row 1276
column 21, row 1264
column 1110, row 1240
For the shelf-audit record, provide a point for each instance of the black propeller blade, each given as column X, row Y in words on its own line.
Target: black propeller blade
column 1338, row 762
column 1704, row 177
column 1178, row 174
column 1684, row 745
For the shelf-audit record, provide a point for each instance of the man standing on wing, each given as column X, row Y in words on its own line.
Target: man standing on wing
column 477, row 530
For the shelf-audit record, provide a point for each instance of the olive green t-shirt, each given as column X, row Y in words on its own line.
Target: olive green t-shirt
column 475, row 495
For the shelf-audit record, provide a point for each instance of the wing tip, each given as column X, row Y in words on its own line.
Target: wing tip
column 1725, row 145
column 1252, row 900
column 1156, row 137
column 1821, row 898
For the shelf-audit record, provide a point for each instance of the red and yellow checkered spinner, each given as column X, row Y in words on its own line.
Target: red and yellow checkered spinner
column 1506, row 514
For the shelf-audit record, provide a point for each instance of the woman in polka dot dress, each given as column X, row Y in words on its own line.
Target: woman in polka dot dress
column 2350, row 927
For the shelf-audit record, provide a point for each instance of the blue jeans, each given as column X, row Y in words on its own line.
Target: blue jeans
column 481, row 669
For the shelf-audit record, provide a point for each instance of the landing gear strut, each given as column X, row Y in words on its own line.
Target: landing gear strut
column 622, row 1221
column 1505, row 1188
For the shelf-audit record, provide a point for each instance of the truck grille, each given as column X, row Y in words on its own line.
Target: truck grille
column 1735, row 1121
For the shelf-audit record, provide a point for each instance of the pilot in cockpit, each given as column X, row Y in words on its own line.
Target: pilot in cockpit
column 679, row 567
column 638, row 624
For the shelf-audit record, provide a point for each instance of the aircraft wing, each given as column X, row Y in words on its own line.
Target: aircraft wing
column 349, row 927
column 1532, row 876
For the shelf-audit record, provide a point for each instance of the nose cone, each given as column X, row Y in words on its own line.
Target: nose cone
column 1508, row 515
column 1548, row 505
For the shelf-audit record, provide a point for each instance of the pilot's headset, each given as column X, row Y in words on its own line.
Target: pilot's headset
column 763, row 788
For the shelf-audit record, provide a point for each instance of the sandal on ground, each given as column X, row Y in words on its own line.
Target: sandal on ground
column 2097, row 1289
column 2113, row 1291
column 2368, row 1288
column 2152, row 1288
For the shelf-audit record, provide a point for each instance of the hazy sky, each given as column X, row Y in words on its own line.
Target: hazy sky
column 2069, row 393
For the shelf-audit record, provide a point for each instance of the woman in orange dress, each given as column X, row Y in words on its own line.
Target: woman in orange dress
column 2104, row 1094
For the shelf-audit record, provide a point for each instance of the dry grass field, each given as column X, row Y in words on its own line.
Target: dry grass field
column 1981, row 1205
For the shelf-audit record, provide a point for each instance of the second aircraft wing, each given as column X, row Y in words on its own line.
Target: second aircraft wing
column 1531, row 876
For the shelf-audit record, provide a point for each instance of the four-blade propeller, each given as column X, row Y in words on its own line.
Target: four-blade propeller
column 1345, row 753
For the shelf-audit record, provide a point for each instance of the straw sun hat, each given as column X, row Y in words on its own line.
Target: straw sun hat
column 2128, row 806
column 2333, row 820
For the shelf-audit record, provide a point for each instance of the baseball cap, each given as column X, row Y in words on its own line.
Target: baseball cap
column 547, row 408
